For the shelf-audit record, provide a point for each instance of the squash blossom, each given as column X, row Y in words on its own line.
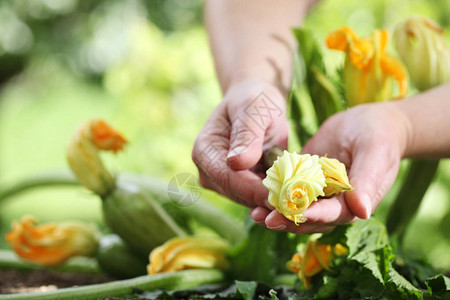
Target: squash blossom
column 316, row 257
column 188, row 253
column 335, row 176
column 51, row 244
column 295, row 181
column 369, row 72
column 84, row 159
column 424, row 50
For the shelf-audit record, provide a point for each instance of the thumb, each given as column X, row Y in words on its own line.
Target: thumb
column 246, row 142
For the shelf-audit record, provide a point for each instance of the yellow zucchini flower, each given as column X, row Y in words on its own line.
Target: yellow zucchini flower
column 424, row 50
column 294, row 181
column 336, row 177
column 83, row 155
column 369, row 71
column 316, row 257
column 51, row 244
column 188, row 253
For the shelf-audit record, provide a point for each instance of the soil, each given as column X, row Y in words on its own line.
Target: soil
column 17, row 281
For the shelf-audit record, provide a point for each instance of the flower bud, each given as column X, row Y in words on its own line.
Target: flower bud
column 369, row 71
column 336, row 177
column 294, row 182
column 83, row 155
column 188, row 253
column 424, row 50
column 51, row 244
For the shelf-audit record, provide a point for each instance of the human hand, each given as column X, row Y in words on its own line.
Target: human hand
column 250, row 119
column 370, row 140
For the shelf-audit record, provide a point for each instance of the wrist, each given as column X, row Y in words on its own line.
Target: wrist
column 404, row 130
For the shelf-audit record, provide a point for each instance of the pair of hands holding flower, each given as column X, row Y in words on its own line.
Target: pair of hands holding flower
column 369, row 139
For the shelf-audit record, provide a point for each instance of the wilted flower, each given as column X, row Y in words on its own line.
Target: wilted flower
column 84, row 159
column 369, row 71
column 51, row 244
column 316, row 257
column 294, row 182
column 335, row 176
column 188, row 253
column 424, row 50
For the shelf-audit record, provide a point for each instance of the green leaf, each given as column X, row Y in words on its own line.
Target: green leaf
column 322, row 90
column 328, row 288
column 439, row 285
column 366, row 236
column 369, row 261
column 246, row 289
column 401, row 288
column 338, row 235
column 263, row 254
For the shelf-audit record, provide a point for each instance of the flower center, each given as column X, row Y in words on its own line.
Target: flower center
column 299, row 196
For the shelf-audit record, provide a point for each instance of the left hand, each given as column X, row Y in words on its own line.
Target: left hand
column 370, row 140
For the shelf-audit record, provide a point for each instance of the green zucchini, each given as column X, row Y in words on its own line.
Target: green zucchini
column 116, row 258
column 137, row 218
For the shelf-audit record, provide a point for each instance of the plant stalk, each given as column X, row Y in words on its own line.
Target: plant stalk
column 419, row 177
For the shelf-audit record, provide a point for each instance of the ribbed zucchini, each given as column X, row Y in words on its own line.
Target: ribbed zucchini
column 137, row 218
column 116, row 258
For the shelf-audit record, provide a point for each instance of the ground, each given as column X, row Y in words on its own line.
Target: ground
column 18, row 281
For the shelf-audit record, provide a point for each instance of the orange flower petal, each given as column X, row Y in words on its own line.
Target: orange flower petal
column 294, row 265
column 361, row 53
column 394, row 68
column 311, row 264
column 105, row 137
column 341, row 39
column 323, row 253
column 50, row 244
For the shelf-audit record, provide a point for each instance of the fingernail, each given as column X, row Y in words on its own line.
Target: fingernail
column 279, row 227
column 368, row 205
column 236, row 151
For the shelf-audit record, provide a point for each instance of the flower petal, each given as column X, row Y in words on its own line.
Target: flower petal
column 341, row 39
column 394, row 68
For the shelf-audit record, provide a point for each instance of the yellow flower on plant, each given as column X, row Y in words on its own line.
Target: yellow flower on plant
column 83, row 155
column 294, row 182
column 51, row 244
column 336, row 177
column 188, row 253
column 369, row 71
column 424, row 50
column 315, row 258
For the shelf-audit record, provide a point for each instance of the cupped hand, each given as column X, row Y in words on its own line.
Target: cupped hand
column 370, row 140
column 250, row 119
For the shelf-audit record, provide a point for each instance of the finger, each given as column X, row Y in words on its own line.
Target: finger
column 276, row 221
column 371, row 174
column 332, row 211
column 259, row 214
column 252, row 126
column 246, row 142
column 242, row 186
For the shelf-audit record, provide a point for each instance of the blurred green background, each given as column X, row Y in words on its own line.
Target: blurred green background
column 145, row 67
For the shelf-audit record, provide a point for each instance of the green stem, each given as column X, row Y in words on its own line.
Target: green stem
column 418, row 178
column 205, row 213
column 41, row 180
column 178, row 280
column 9, row 260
